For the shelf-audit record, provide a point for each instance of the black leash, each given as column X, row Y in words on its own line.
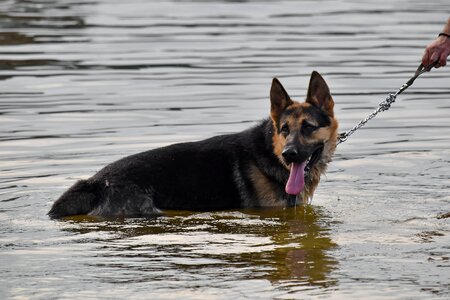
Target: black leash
column 386, row 104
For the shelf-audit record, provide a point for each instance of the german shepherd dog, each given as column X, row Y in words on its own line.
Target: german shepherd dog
column 271, row 164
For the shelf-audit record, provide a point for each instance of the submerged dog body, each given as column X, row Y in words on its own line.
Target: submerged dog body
column 266, row 165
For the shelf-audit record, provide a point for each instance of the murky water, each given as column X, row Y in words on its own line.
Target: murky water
column 84, row 83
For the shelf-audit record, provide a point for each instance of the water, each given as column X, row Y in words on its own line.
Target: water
column 84, row 83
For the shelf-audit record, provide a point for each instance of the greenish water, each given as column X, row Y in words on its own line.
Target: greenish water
column 87, row 82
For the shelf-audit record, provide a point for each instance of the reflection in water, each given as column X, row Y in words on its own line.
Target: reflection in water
column 302, row 245
column 23, row 15
column 38, row 14
column 280, row 245
column 14, row 38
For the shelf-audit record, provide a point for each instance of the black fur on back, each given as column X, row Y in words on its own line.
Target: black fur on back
column 213, row 174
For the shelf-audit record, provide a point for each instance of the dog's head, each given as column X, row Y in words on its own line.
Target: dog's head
column 305, row 134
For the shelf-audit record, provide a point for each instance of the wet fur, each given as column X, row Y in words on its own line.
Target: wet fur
column 240, row 170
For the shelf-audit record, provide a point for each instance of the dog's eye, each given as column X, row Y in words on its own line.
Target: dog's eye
column 308, row 128
column 285, row 129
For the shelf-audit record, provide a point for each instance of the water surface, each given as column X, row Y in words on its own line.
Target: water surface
column 87, row 82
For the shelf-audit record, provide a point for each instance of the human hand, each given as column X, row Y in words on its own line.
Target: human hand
column 438, row 50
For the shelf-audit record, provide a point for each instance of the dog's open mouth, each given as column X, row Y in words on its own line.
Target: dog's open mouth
column 299, row 171
column 313, row 159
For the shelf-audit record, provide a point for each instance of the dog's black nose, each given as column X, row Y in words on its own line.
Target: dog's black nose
column 290, row 154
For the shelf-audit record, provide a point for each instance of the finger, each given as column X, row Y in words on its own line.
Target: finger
column 444, row 56
column 443, row 59
column 426, row 57
column 434, row 57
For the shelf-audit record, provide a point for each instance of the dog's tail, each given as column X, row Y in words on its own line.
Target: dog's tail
column 80, row 199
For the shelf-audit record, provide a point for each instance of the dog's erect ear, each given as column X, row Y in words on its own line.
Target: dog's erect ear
column 319, row 94
column 279, row 100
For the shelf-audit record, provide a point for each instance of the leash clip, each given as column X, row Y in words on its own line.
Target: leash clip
column 342, row 137
column 431, row 66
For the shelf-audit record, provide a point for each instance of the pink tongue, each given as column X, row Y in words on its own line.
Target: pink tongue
column 296, row 181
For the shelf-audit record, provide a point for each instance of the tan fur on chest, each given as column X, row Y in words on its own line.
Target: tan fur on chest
column 265, row 189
